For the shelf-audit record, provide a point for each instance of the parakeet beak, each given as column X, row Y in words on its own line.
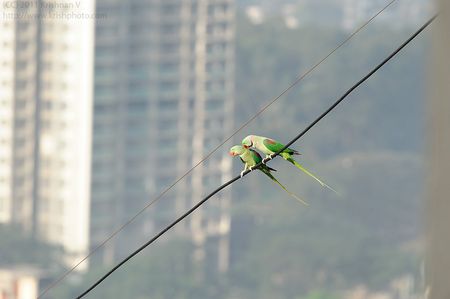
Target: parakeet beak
column 246, row 146
column 232, row 154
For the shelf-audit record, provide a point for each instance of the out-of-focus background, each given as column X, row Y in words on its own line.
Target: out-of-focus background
column 104, row 104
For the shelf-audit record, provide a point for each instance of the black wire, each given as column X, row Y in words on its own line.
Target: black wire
column 159, row 235
column 160, row 196
column 356, row 86
column 258, row 165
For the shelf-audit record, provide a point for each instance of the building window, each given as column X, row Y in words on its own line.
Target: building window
column 214, row 105
column 168, row 105
column 169, row 9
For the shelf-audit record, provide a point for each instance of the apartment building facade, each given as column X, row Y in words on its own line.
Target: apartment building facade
column 163, row 99
column 100, row 115
column 46, row 99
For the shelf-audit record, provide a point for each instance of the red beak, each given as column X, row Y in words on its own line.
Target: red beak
column 246, row 146
column 231, row 154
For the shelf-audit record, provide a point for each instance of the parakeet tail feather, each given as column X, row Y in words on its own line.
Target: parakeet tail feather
column 284, row 188
column 299, row 166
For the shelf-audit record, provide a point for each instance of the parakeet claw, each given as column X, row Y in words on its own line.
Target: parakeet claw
column 242, row 173
column 265, row 160
column 251, row 168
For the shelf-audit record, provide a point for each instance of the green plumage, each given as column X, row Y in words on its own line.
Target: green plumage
column 251, row 158
column 274, row 146
column 269, row 147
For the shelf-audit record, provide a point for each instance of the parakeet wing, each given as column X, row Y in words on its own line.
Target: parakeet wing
column 256, row 157
column 272, row 145
column 275, row 146
column 265, row 167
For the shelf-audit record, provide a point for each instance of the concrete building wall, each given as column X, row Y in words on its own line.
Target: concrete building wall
column 163, row 98
column 65, row 130
column 7, row 57
column 19, row 283
column 438, row 204
column 46, row 73
column 19, row 87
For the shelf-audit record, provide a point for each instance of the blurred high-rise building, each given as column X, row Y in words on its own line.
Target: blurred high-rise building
column 100, row 115
column 18, row 132
column 46, row 99
column 163, row 100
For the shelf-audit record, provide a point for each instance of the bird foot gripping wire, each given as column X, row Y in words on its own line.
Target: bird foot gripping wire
column 243, row 171
column 268, row 158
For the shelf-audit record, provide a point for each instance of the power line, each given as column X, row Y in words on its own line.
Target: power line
column 358, row 84
column 373, row 71
column 317, row 64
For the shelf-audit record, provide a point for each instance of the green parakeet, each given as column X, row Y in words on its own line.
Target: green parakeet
column 269, row 147
column 250, row 158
